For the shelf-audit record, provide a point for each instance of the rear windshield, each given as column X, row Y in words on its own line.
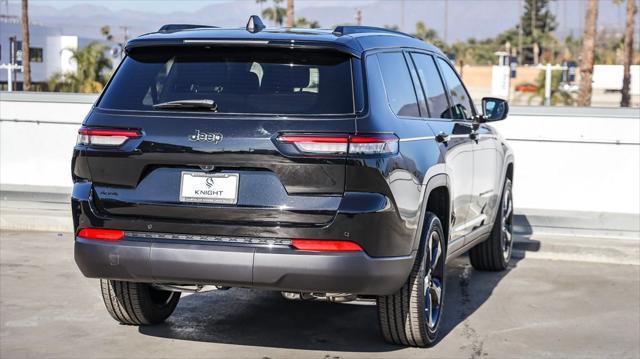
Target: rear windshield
column 247, row 80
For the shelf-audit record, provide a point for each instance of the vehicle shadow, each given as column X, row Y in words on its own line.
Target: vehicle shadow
column 263, row 318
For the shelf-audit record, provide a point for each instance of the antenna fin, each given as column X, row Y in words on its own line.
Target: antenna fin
column 255, row 24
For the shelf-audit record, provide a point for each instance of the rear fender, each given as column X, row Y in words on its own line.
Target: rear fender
column 433, row 181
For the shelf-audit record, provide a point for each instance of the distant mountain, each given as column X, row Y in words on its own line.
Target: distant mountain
column 466, row 18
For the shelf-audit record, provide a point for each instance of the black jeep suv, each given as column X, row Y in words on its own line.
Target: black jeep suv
column 338, row 164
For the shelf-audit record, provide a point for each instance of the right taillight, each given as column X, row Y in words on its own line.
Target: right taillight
column 104, row 137
column 375, row 144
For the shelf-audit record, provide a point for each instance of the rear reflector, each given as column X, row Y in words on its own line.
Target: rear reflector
column 341, row 144
column 105, row 137
column 325, row 246
column 101, row 234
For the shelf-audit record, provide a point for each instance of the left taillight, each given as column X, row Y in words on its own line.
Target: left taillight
column 101, row 234
column 104, row 137
column 311, row 144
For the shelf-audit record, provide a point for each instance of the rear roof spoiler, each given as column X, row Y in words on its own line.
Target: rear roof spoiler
column 254, row 25
column 309, row 45
column 178, row 27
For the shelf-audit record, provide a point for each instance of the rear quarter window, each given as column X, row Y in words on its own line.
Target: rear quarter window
column 398, row 84
column 260, row 81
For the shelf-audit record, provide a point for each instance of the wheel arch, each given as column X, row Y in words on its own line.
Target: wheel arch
column 436, row 199
column 509, row 163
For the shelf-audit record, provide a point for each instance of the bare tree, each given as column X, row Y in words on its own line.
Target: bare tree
column 588, row 54
column 290, row 15
column 26, row 66
column 628, row 53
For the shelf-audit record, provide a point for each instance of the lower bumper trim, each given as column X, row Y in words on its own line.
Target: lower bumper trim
column 204, row 238
column 275, row 268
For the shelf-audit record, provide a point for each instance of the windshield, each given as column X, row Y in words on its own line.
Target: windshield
column 247, row 80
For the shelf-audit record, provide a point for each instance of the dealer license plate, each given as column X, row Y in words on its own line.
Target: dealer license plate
column 209, row 187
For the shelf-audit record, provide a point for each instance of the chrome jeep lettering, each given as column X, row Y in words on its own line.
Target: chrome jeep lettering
column 202, row 136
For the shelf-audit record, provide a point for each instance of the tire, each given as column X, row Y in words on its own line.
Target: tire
column 405, row 317
column 137, row 303
column 494, row 253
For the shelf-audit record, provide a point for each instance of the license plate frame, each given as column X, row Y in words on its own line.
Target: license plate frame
column 191, row 185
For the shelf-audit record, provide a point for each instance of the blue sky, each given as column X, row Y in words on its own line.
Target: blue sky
column 167, row 6
column 163, row 6
column 467, row 18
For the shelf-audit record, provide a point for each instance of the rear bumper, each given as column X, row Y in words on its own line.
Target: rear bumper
column 369, row 219
column 276, row 268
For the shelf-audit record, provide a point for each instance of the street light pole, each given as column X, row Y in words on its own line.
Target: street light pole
column 547, row 86
column 10, row 69
column 548, row 76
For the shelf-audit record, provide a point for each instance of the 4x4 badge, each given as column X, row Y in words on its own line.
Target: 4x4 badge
column 214, row 137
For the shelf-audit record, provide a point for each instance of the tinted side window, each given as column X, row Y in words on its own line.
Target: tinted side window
column 461, row 103
column 416, row 86
column 397, row 82
column 432, row 85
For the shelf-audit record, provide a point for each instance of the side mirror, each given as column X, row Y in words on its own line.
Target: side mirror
column 494, row 109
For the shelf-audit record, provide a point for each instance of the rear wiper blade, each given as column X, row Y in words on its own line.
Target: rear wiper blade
column 188, row 104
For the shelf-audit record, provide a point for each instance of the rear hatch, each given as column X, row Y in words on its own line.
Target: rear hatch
column 195, row 134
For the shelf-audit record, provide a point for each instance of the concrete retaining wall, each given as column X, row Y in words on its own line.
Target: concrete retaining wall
column 569, row 159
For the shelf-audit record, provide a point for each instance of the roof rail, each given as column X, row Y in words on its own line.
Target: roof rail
column 348, row 30
column 177, row 27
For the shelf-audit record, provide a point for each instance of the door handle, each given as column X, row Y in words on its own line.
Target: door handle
column 443, row 137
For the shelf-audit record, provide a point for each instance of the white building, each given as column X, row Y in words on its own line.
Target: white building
column 49, row 51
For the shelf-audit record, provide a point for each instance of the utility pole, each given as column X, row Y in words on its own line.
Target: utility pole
column 446, row 20
column 401, row 15
column 126, row 34
column 290, row 14
column 26, row 73
column 358, row 17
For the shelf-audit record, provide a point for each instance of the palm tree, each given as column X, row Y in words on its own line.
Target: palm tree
column 628, row 53
column 290, row 16
column 275, row 13
column 429, row 35
column 303, row 22
column 26, row 64
column 260, row 2
column 588, row 54
column 91, row 74
column 106, row 32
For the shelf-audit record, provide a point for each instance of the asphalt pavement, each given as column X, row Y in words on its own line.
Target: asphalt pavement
column 562, row 297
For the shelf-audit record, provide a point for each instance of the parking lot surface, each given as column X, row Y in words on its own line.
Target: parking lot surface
column 544, row 306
